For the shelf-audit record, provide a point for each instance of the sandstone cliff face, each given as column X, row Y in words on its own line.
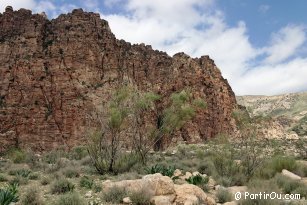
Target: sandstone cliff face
column 53, row 72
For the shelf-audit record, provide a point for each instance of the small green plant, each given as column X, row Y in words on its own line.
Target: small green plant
column 78, row 153
column 71, row 173
column 115, row 194
column 207, row 167
column 17, row 155
column 61, row 186
column 71, row 198
column 20, row 172
column 19, row 180
column 223, row 196
column 32, row 197
column 53, row 156
column 9, row 195
column 86, row 182
column 34, row 176
column 164, row 170
column 197, row 180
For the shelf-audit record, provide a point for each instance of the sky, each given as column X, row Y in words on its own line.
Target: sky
column 260, row 46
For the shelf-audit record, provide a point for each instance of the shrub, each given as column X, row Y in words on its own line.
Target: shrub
column 8, row 195
column 97, row 188
column 17, row 155
column 70, row 199
column 197, row 180
column 20, row 172
column 32, row 197
column 259, row 185
column 290, row 186
column 34, row 176
column 275, row 165
column 223, row 196
column 125, row 162
column 207, row 167
column 53, row 156
column 59, row 164
column 78, row 153
column 164, row 170
column 141, row 197
column 71, row 173
column 2, row 178
column 115, row 194
column 19, row 180
column 33, row 160
column 61, row 186
column 301, row 170
column 86, row 182
column 45, row 181
column 228, row 172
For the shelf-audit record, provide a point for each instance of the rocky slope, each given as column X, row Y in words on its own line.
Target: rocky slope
column 53, row 73
column 288, row 112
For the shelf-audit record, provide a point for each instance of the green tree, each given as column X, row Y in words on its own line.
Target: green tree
column 182, row 108
column 130, row 114
column 104, row 145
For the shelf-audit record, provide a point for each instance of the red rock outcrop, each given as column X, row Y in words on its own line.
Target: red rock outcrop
column 53, row 71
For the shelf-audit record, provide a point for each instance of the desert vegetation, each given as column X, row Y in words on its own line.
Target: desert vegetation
column 217, row 166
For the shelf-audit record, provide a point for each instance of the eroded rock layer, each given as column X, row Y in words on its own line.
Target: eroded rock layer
column 53, row 72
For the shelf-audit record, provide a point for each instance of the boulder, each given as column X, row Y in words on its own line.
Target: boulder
column 290, row 175
column 163, row 190
column 154, row 183
column 189, row 193
column 163, row 200
column 160, row 185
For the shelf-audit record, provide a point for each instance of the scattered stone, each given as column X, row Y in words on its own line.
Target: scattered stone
column 164, row 191
column 127, row 200
column 211, row 183
column 177, row 173
column 88, row 194
column 290, row 175
column 196, row 173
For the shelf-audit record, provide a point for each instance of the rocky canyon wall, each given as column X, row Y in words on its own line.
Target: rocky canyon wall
column 52, row 72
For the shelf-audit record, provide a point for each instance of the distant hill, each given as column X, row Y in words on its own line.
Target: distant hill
column 290, row 110
column 292, row 105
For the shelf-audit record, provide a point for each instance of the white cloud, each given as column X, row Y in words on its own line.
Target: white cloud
column 176, row 26
column 285, row 43
column 198, row 28
column 28, row 4
column 277, row 79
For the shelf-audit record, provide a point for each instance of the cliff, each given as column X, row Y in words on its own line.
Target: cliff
column 53, row 72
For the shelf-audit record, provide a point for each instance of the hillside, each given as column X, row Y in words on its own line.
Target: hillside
column 288, row 110
column 55, row 73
